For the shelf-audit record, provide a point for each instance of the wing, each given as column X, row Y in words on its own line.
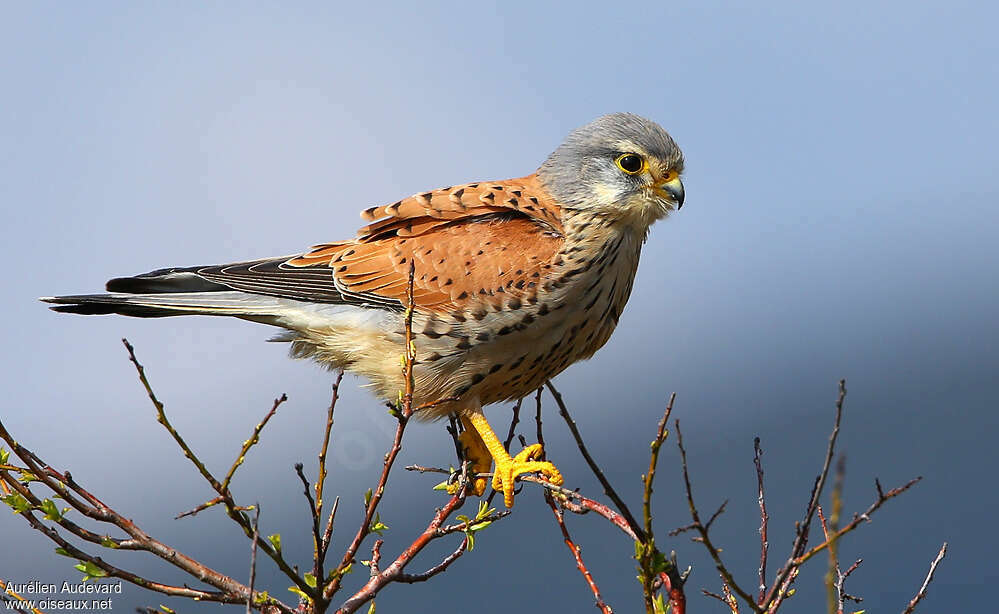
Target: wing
column 471, row 246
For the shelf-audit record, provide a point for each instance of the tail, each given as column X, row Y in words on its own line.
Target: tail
column 169, row 292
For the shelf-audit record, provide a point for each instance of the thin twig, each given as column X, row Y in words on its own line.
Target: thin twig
column 926, row 583
column 513, row 424
column 314, row 518
column 249, row 443
column 702, row 529
column 857, row 519
column 323, row 545
column 649, row 478
column 537, row 418
column 436, row 569
column 394, row 569
column 232, row 510
column 253, row 556
column 577, row 555
column 608, row 489
column 773, row 597
column 764, row 518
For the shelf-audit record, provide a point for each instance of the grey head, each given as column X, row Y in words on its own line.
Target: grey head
column 621, row 166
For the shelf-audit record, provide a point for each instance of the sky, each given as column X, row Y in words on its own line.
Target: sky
column 840, row 222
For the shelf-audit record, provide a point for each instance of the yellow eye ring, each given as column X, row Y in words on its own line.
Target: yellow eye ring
column 631, row 163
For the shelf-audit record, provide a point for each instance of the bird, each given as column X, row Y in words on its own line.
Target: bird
column 513, row 281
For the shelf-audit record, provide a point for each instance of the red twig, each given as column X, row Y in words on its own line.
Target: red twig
column 378, row 581
column 578, row 556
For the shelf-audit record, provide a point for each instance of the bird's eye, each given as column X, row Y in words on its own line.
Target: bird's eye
column 630, row 163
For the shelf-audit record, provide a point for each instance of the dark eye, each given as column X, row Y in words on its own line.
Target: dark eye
column 630, row 163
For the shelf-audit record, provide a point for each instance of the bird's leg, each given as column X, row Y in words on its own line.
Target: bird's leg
column 477, row 453
column 507, row 468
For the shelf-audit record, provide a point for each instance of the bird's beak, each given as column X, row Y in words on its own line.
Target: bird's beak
column 672, row 191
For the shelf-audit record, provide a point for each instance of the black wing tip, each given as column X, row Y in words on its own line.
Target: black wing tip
column 84, row 309
column 99, row 305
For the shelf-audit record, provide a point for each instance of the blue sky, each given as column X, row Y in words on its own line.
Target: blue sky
column 841, row 221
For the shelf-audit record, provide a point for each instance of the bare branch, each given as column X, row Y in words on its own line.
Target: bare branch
column 253, row 556
column 436, row 569
column 702, row 528
column 249, row 443
column 577, row 555
column 321, row 547
column 608, row 489
column 926, row 583
column 801, row 537
column 764, row 519
column 513, row 425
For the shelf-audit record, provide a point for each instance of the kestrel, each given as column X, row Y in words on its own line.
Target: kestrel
column 514, row 281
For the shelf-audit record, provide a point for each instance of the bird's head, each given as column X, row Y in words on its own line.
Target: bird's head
column 619, row 166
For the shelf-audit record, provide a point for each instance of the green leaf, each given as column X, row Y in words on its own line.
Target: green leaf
column 91, row 570
column 27, row 476
column 51, row 510
column 471, row 540
column 483, row 511
column 371, row 608
column 442, row 486
column 333, row 574
column 4, row 456
column 18, row 503
column 659, row 563
column 166, row 609
column 310, row 580
column 63, row 552
column 298, row 592
column 262, row 597
column 377, row 526
column 478, row 526
column 275, row 541
column 107, row 542
column 367, row 497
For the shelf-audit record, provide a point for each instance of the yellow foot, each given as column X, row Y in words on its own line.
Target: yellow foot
column 507, row 470
column 478, row 454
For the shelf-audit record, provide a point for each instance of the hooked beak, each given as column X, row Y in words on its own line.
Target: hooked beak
column 672, row 191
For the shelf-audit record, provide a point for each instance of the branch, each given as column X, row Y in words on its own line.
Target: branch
column 801, row 538
column 78, row 498
column 608, row 489
column 764, row 519
column 926, row 583
column 232, row 510
column 378, row 581
column 702, row 529
column 577, row 555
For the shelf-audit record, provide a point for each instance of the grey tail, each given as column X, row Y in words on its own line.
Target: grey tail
column 167, row 292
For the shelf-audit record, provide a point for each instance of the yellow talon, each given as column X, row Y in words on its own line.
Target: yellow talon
column 481, row 443
column 478, row 454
